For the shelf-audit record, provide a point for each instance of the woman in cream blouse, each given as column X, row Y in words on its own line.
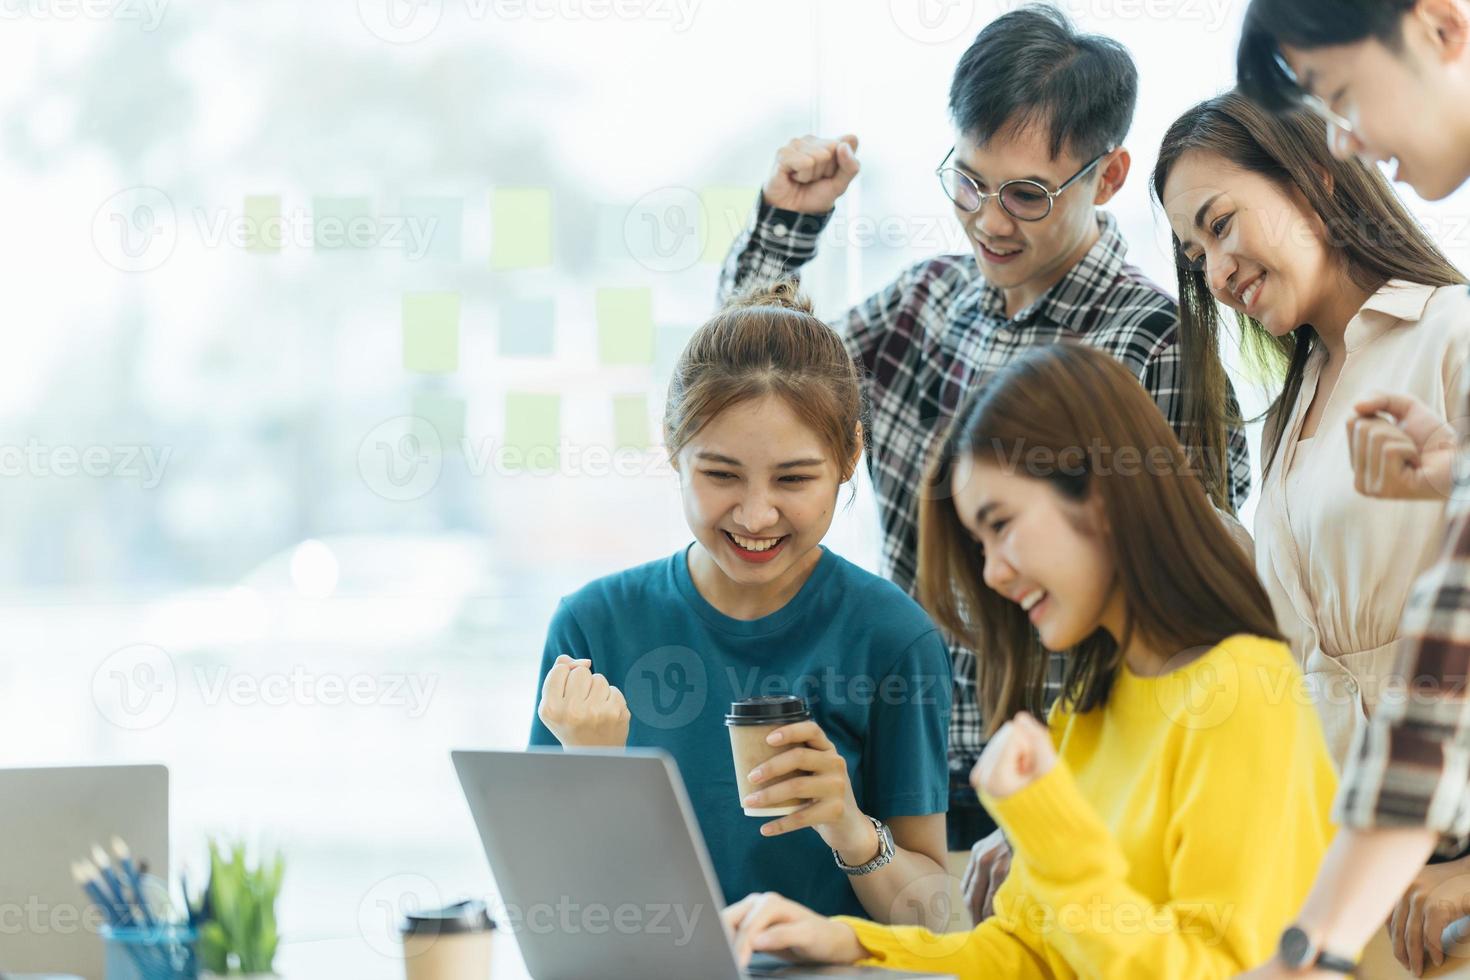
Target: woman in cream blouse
column 1327, row 271
column 1338, row 565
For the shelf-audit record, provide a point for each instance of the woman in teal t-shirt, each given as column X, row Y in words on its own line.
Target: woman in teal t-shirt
column 763, row 425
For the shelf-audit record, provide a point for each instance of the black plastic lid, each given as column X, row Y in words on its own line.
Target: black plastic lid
column 782, row 709
column 462, row 917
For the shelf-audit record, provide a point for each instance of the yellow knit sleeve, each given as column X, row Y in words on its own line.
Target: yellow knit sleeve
column 1247, row 797
column 988, row 950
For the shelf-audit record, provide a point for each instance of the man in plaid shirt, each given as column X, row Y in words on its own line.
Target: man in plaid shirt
column 1405, row 788
column 1040, row 114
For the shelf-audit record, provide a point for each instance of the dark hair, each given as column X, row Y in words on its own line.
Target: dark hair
column 767, row 341
column 1306, row 24
column 1368, row 230
column 1032, row 66
column 1186, row 583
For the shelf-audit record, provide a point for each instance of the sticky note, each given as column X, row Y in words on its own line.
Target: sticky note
column 263, row 228
column 662, row 230
column 342, row 223
column 725, row 211
column 625, row 325
column 431, row 229
column 431, row 332
column 527, row 327
column 607, row 223
column 520, row 228
column 532, row 430
column 444, row 415
column 630, row 421
column 668, row 344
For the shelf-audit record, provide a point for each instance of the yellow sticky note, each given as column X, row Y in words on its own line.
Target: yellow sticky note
column 630, row 422
column 532, row 430
column 431, row 332
column 444, row 415
column 263, row 228
column 520, row 227
column 625, row 325
column 725, row 211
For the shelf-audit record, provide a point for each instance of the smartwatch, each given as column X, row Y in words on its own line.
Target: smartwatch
column 1299, row 951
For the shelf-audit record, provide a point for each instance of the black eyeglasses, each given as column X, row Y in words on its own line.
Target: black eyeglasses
column 1024, row 200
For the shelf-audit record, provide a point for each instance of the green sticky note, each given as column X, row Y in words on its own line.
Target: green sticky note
column 431, row 332
column 263, row 228
column 725, row 211
column 630, row 422
column 520, row 228
column 625, row 325
column 443, row 415
column 432, row 229
column 527, row 327
column 532, row 430
column 342, row 223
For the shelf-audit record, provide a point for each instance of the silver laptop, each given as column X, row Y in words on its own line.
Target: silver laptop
column 50, row 818
column 603, row 870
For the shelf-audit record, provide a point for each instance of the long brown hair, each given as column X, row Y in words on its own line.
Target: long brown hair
column 1185, row 582
column 767, row 341
column 1368, row 229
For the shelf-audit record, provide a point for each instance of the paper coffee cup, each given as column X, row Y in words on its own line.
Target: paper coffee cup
column 750, row 721
column 451, row 943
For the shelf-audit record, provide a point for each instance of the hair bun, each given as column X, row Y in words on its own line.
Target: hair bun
column 784, row 293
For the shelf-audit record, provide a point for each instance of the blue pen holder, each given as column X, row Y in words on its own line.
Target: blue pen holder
column 151, row 953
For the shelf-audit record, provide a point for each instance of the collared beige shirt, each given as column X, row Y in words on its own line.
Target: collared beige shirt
column 1337, row 565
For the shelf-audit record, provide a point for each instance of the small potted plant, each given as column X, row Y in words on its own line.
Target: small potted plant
column 237, row 931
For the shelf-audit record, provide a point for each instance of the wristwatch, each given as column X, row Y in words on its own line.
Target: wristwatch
column 1299, row 951
column 885, row 852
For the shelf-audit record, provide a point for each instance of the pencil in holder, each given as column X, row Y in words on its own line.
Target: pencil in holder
column 151, row 953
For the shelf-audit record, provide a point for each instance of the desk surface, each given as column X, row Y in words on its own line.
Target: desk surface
column 1379, row 964
column 334, row 958
column 327, row 959
column 362, row 960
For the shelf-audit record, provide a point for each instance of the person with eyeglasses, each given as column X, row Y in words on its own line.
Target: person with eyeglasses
column 1392, row 80
column 1040, row 114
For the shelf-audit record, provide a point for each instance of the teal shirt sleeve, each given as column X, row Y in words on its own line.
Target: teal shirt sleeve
column 563, row 636
column 906, row 765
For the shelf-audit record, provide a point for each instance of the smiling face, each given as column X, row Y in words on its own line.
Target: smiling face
column 1041, row 553
column 1412, row 106
column 759, row 489
column 1262, row 249
column 1012, row 253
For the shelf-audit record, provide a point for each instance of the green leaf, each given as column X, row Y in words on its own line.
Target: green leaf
column 213, row 948
column 243, row 924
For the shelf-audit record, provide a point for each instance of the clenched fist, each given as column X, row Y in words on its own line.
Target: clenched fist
column 1019, row 754
column 581, row 708
column 1409, row 458
column 812, row 173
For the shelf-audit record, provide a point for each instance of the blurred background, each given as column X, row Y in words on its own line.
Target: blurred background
column 338, row 336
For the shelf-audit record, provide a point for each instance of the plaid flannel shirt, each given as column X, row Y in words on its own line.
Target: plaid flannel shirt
column 1410, row 765
column 934, row 334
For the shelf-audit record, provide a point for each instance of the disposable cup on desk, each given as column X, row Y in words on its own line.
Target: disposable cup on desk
column 151, row 953
column 452, row 943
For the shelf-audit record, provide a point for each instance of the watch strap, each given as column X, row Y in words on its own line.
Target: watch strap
column 885, row 853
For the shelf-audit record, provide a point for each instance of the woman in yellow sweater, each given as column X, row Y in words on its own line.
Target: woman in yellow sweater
column 1172, row 819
